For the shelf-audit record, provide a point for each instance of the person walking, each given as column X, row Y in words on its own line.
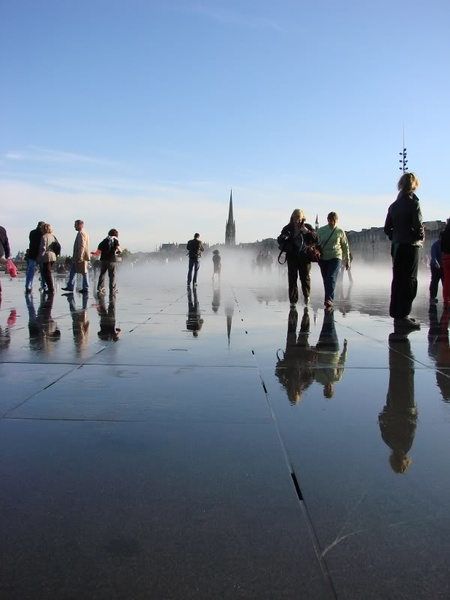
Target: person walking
column 34, row 237
column 109, row 248
column 335, row 250
column 47, row 256
column 5, row 251
column 445, row 249
column 404, row 227
column 195, row 249
column 80, row 259
column 295, row 239
column 436, row 269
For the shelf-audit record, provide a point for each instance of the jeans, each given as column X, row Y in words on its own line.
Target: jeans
column 330, row 271
column 31, row 270
column 72, row 276
column 437, row 275
column 194, row 263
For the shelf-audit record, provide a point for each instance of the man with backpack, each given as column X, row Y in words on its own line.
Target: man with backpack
column 80, row 259
column 109, row 248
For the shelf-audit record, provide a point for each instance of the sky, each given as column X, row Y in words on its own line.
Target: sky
column 142, row 115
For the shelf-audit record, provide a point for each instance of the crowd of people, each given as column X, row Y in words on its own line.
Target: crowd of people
column 44, row 249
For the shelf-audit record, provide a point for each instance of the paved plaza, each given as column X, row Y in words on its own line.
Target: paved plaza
column 214, row 444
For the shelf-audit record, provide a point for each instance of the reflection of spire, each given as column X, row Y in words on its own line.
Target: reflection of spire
column 230, row 229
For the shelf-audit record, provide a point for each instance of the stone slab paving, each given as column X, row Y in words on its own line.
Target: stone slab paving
column 221, row 445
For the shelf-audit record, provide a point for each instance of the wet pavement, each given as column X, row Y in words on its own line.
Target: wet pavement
column 217, row 444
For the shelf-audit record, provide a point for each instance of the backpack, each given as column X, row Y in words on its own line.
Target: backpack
column 56, row 247
column 106, row 245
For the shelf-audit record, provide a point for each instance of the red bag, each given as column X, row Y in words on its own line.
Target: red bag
column 11, row 268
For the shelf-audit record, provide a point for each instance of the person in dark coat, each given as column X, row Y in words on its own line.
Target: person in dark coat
column 445, row 249
column 5, row 251
column 35, row 237
column 295, row 239
column 404, row 227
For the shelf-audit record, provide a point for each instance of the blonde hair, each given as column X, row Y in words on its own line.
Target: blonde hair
column 408, row 183
column 47, row 228
column 298, row 213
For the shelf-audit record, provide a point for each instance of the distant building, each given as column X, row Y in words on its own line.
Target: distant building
column 230, row 228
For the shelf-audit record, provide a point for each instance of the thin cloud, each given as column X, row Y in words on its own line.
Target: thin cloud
column 234, row 18
column 37, row 154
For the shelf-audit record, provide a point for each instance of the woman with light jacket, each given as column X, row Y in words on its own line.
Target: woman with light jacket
column 47, row 256
column 334, row 247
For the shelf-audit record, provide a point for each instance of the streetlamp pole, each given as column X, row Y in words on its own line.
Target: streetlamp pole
column 403, row 160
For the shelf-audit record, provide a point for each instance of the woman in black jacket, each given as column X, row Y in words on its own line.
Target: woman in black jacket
column 296, row 239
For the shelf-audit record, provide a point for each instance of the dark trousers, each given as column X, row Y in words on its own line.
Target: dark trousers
column 437, row 275
column 47, row 276
column 405, row 263
column 106, row 265
column 298, row 268
column 330, row 271
column 194, row 264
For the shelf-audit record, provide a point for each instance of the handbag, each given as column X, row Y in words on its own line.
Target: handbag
column 11, row 268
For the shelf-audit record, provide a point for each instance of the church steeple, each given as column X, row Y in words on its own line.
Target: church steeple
column 230, row 228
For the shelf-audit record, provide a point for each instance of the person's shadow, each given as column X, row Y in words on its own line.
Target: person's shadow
column 194, row 320
column 398, row 419
column 295, row 366
column 330, row 359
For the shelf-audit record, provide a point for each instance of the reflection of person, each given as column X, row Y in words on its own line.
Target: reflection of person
column 329, row 356
column 80, row 258
column 439, row 349
column 295, row 239
column 108, row 330
column 47, row 256
column 334, row 247
column 398, row 419
column 80, row 322
column 5, row 251
column 32, row 256
column 436, row 269
column 216, row 299
column 445, row 249
column 404, row 227
column 42, row 328
column 195, row 249
column 217, row 263
column 295, row 369
column 109, row 248
column 194, row 321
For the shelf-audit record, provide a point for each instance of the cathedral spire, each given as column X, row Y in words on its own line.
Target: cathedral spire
column 230, row 228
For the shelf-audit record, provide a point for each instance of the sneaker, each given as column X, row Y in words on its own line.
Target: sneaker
column 292, row 304
column 83, row 291
column 101, row 291
column 328, row 304
column 28, row 290
column 434, row 300
column 67, row 289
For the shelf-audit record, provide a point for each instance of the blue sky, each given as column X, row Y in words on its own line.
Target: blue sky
column 142, row 114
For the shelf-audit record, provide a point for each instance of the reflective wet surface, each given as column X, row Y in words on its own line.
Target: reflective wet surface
column 217, row 444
